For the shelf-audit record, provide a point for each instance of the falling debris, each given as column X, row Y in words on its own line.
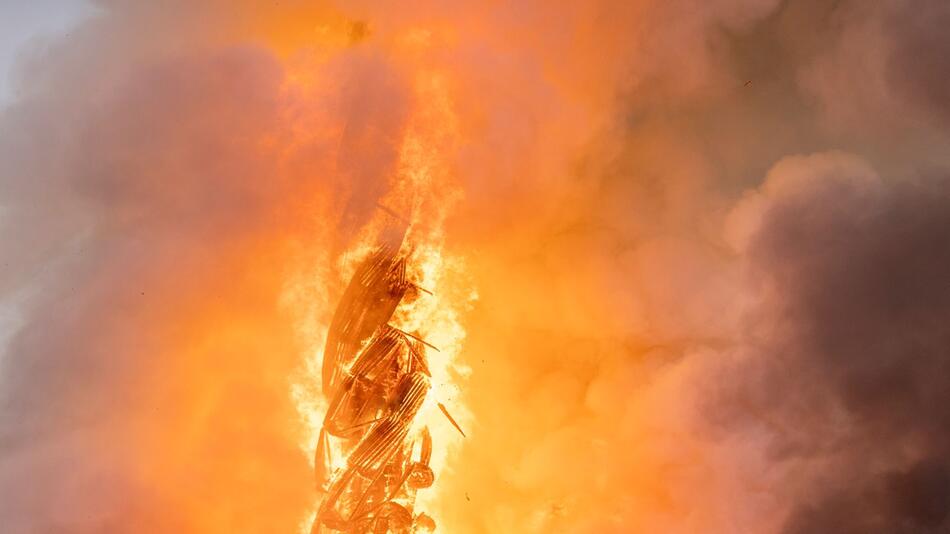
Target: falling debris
column 451, row 419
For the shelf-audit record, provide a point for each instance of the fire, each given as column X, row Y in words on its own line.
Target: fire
column 421, row 194
column 188, row 188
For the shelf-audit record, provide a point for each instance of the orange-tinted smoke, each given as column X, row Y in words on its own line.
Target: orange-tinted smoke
column 204, row 166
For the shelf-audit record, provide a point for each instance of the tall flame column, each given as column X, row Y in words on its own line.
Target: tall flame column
column 371, row 459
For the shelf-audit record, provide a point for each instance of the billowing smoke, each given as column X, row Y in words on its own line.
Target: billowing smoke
column 710, row 242
column 844, row 374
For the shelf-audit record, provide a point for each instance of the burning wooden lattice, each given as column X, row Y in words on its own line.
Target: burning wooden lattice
column 372, row 457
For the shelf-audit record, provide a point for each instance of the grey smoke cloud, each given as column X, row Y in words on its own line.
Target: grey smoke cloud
column 853, row 270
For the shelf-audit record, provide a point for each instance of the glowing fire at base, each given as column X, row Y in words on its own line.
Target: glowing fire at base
column 376, row 378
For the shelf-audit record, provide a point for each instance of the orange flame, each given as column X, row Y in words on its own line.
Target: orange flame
column 424, row 190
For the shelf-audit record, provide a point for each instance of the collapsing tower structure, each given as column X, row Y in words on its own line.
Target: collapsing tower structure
column 371, row 458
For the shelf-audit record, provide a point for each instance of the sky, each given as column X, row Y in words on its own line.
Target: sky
column 688, row 260
column 23, row 27
column 26, row 22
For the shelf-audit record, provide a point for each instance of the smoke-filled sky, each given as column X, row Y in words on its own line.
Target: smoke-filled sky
column 710, row 242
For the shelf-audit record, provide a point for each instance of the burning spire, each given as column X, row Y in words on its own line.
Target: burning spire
column 369, row 462
column 378, row 397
